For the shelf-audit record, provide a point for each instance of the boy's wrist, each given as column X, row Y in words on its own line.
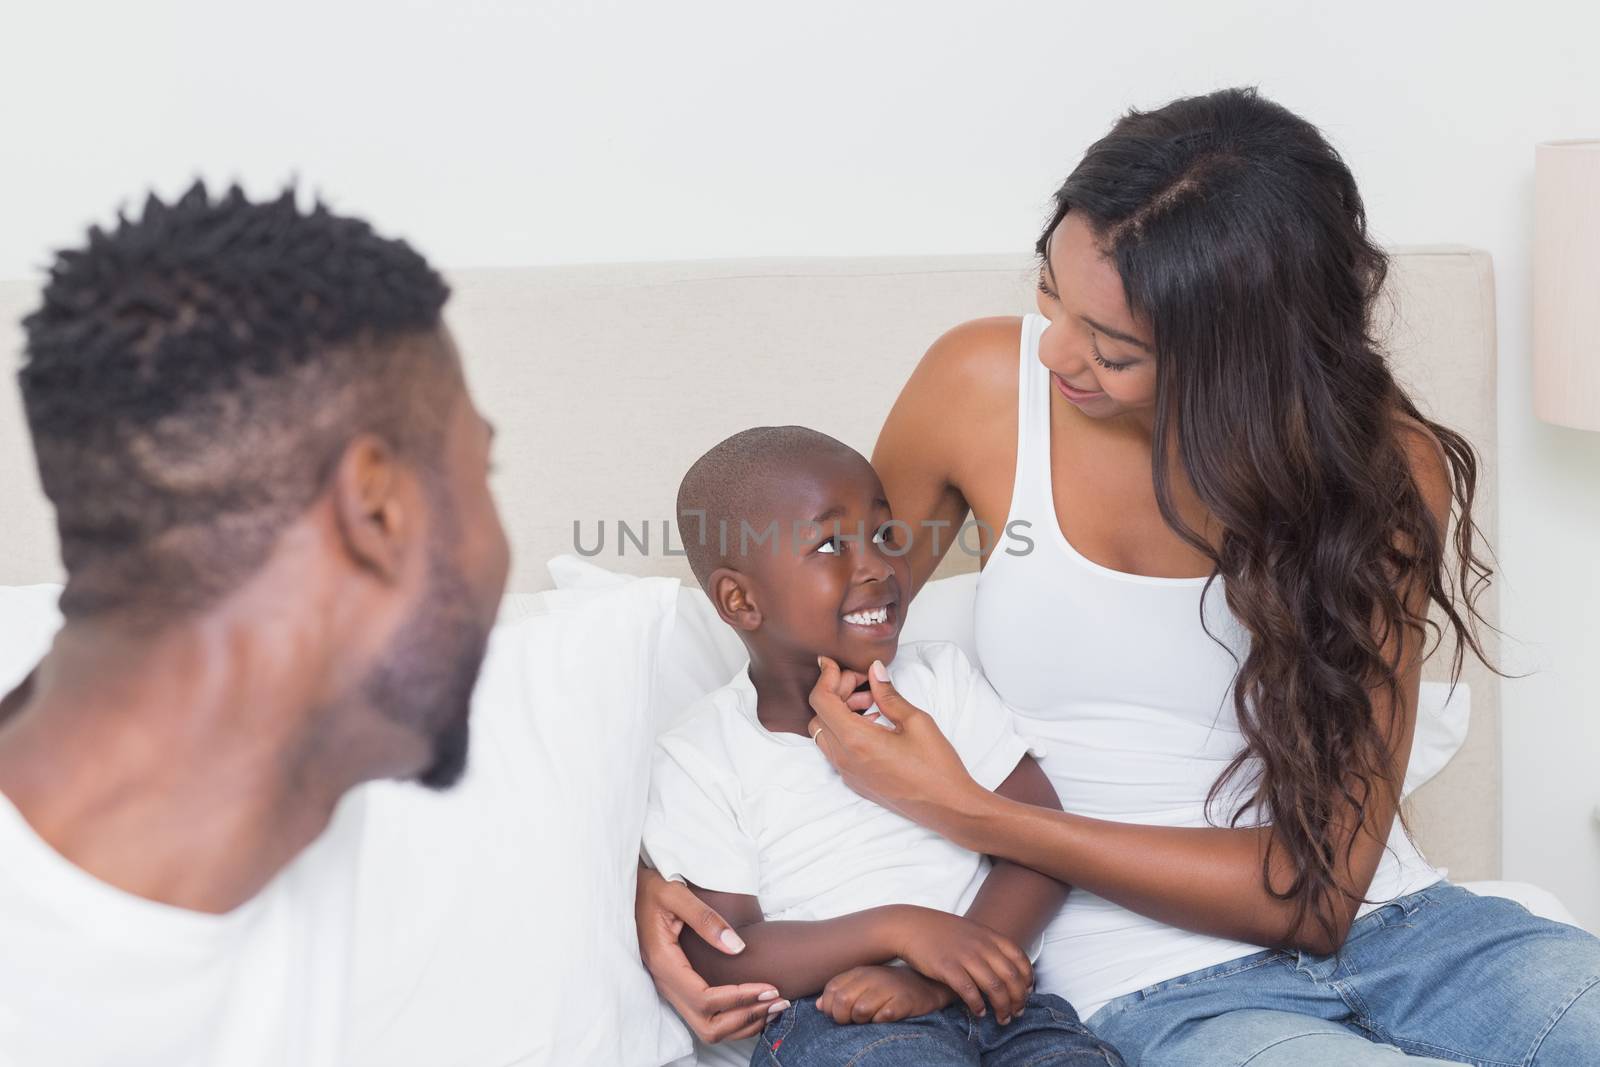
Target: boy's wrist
column 936, row 989
column 903, row 928
column 899, row 929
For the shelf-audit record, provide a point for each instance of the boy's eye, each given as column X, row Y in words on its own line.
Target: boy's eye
column 829, row 546
column 884, row 536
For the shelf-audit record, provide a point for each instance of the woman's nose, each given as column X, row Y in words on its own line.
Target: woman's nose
column 1058, row 354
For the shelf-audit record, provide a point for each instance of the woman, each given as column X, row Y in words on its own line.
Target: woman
column 1239, row 524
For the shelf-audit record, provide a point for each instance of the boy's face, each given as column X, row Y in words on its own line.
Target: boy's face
column 835, row 586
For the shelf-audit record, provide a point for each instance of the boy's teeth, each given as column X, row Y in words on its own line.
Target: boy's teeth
column 868, row 618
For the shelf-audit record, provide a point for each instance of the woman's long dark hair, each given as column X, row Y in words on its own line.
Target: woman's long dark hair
column 1241, row 239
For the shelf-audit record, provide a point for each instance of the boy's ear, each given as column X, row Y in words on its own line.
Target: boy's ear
column 734, row 598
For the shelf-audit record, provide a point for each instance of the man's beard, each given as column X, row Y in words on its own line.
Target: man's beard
column 426, row 676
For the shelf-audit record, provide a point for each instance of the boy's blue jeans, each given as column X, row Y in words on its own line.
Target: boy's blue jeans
column 1440, row 976
column 1046, row 1034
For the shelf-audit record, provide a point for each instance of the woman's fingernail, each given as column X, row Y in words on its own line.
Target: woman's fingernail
column 878, row 672
column 782, row 1005
column 734, row 942
column 819, row 661
column 771, row 994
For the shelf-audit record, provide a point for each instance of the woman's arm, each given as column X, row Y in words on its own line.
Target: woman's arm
column 957, row 409
column 1014, row 900
column 1204, row 879
column 662, row 910
column 799, row 957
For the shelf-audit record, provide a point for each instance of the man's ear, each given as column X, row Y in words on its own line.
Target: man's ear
column 373, row 521
column 734, row 599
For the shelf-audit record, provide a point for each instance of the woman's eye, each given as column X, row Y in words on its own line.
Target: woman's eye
column 1108, row 365
column 884, row 536
column 1103, row 361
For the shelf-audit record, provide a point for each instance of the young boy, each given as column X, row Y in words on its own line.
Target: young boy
column 884, row 936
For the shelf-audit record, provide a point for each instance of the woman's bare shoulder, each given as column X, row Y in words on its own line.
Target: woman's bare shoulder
column 1430, row 465
column 956, row 418
column 973, row 364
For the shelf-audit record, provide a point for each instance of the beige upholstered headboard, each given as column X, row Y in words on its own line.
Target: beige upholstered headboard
column 607, row 381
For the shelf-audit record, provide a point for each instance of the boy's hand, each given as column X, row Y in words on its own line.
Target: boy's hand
column 976, row 963
column 881, row 995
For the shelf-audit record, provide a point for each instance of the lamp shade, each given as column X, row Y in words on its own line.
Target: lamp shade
column 1566, row 283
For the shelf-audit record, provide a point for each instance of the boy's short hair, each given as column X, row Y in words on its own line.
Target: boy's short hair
column 740, row 479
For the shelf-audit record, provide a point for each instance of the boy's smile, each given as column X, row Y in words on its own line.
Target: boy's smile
column 836, row 588
column 876, row 618
column 808, row 560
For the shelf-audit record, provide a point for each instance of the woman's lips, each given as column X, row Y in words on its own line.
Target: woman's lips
column 1077, row 396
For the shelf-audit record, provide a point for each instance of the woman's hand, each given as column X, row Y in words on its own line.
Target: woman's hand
column 722, row 1013
column 911, row 769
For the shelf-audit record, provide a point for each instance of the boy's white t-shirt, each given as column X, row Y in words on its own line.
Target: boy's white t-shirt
column 735, row 808
column 95, row 976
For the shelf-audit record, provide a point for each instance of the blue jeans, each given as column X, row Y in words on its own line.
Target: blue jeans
column 1442, row 975
column 1047, row 1032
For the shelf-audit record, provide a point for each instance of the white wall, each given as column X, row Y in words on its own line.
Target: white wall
column 503, row 133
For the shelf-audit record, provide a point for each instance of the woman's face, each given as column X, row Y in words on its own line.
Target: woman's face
column 1100, row 357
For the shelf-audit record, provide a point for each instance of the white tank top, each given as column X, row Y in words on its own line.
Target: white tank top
column 1133, row 701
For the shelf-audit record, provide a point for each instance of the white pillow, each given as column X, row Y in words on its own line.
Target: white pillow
column 943, row 611
column 494, row 922
column 29, row 619
column 1443, row 716
column 1541, row 902
column 703, row 653
column 515, row 606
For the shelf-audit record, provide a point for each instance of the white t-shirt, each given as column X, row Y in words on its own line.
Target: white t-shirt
column 486, row 926
column 95, row 976
column 738, row 809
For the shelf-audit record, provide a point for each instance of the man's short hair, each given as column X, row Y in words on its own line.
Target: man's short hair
column 193, row 376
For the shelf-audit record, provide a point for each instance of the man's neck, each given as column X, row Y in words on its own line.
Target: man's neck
column 178, row 768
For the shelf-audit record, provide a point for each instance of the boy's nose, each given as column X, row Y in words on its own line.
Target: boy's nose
column 873, row 567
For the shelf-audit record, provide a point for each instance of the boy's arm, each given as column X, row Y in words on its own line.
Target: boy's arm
column 1014, row 901
column 1018, row 901
column 797, row 957
column 801, row 957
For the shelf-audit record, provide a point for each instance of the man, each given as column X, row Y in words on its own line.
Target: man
column 283, row 562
